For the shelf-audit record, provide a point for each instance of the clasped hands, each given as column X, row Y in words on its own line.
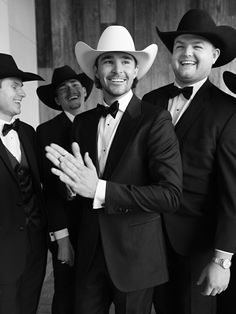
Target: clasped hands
column 78, row 173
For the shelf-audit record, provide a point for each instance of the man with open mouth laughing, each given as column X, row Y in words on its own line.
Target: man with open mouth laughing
column 201, row 236
column 67, row 93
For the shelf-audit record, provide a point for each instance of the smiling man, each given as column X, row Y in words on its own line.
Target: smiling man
column 67, row 93
column 201, row 236
column 22, row 217
column 130, row 175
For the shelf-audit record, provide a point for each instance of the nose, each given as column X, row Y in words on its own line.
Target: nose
column 22, row 92
column 117, row 68
column 188, row 51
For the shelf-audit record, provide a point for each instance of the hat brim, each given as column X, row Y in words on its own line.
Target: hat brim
column 24, row 76
column 46, row 93
column 223, row 38
column 86, row 57
column 230, row 81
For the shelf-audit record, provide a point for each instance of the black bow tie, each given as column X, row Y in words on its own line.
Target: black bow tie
column 8, row 127
column 112, row 109
column 175, row 91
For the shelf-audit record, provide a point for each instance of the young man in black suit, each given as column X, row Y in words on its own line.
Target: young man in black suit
column 22, row 217
column 202, row 234
column 67, row 93
column 121, row 255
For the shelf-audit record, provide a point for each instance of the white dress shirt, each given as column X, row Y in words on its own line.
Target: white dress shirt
column 106, row 131
column 178, row 104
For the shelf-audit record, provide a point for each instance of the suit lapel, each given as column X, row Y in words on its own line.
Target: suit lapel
column 29, row 151
column 192, row 113
column 4, row 157
column 88, row 135
column 127, row 127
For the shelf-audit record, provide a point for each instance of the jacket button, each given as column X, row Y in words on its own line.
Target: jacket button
column 21, row 228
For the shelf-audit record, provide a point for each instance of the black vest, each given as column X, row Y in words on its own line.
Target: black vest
column 24, row 178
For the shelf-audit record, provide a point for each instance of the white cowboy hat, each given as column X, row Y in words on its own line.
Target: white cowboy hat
column 114, row 38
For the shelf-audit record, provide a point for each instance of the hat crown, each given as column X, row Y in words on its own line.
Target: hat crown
column 7, row 62
column 116, row 38
column 62, row 74
column 196, row 20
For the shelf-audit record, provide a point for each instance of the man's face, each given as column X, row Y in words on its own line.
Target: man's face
column 192, row 58
column 11, row 95
column 70, row 95
column 116, row 72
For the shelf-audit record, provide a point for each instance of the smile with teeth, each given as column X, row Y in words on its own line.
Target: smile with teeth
column 187, row 62
column 73, row 97
column 117, row 80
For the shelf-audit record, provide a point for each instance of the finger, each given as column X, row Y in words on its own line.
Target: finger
column 53, row 159
column 214, row 291
column 76, row 152
column 88, row 161
column 64, row 178
column 60, row 150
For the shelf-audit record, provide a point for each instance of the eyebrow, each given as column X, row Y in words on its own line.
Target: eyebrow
column 124, row 56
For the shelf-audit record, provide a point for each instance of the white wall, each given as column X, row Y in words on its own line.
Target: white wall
column 18, row 38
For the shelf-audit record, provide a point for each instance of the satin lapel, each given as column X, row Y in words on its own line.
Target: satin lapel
column 163, row 98
column 29, row 151
column 4, row 157
column 124, row 132
column 192, row 113
column 88, row 136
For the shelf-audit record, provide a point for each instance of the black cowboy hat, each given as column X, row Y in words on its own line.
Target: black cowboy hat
column 230, row 81
column 8, row 68
column 199, row 22
column 46, row 93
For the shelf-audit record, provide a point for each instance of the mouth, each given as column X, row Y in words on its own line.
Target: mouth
column 18, row 102
column 74, row 97
column 187, row 62
column 117, row 80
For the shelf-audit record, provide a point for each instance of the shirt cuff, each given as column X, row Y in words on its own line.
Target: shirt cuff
column 224, row 252
column 57, row 235
column 99, row 199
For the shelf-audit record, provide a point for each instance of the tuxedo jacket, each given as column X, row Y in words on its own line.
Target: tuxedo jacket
column 143, row 173
column 206, row 132
column 15, row 237
column 62, row 213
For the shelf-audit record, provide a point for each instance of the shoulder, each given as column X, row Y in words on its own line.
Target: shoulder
column 52, row 123
column 154, row 93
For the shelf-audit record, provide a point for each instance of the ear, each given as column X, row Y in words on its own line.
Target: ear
column 95, row 70
column 85, row 92
column 136, row 71
column 216, row 54
column 57, row 101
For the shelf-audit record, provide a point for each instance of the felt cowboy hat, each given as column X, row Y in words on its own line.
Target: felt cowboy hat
column 114, row 38
column 199, row 22
column 8, row 68
column 47, row 93
column 230, row 81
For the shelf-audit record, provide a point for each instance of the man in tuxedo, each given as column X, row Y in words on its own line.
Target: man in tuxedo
column 129, row 175
column 201, row 235
column 22, row 218
column 226, row 302
column 67, row 93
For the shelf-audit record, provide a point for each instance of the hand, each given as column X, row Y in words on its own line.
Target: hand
column 215, row 279
column 80, row 175
column 65, row 252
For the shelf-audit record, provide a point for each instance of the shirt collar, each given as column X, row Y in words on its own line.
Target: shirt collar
column 69, row 115
column 123, row 101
